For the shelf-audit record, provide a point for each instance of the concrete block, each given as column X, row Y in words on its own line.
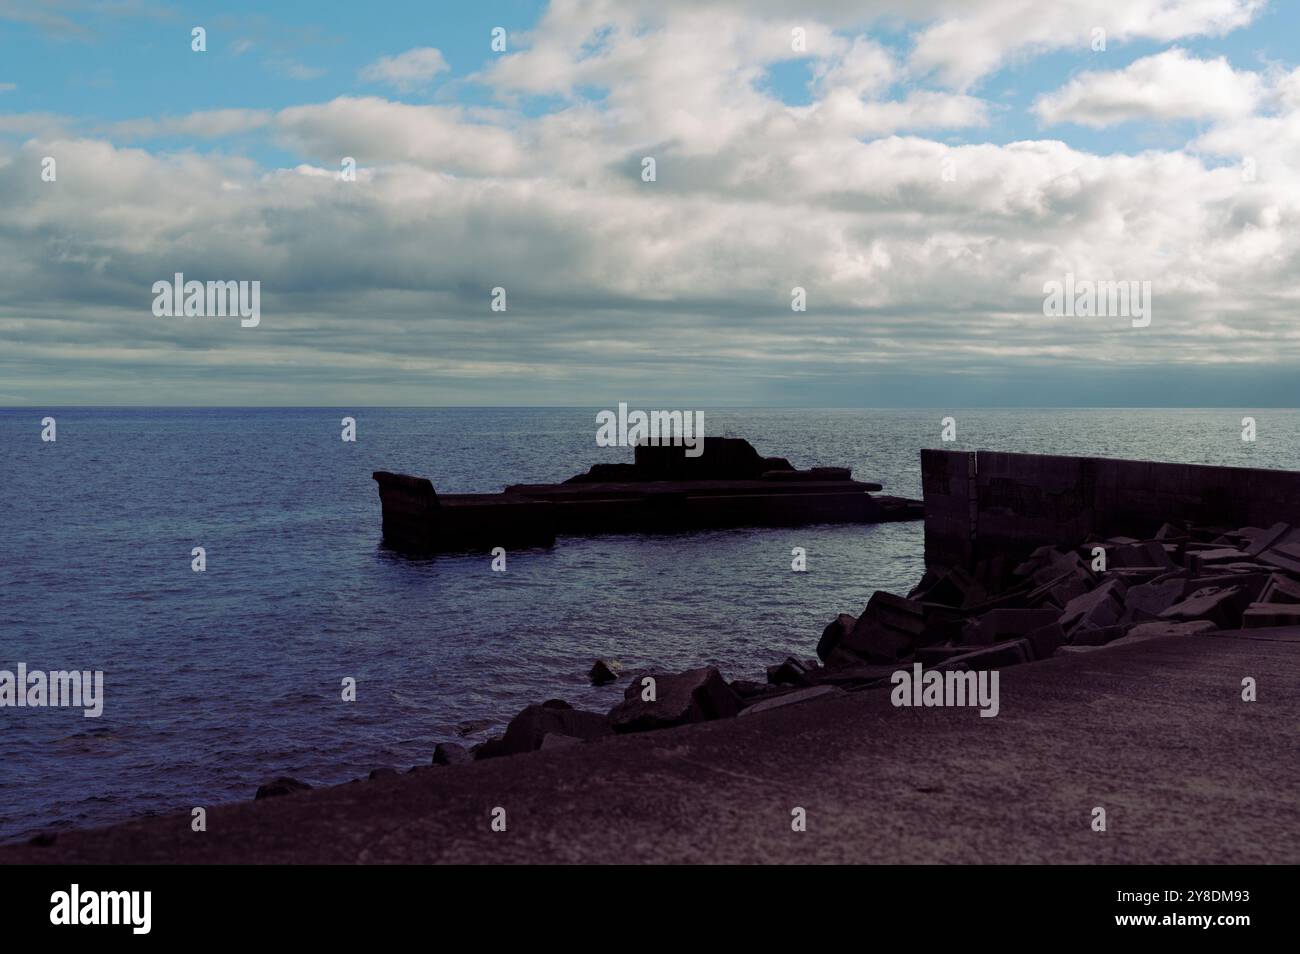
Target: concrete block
column 792, row 698
column 1280, row 589
column 1011, row 652
column 1258, row 615
column 1222, row 605
column 1149, row 600
column 1045, row 640
column 1001, row 624
column 697, row 695
column 1099, row 607
column 886, row 630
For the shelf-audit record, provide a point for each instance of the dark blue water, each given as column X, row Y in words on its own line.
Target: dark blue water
column 217, row 681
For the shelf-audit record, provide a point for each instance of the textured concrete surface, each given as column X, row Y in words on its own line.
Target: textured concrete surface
column 1153, row 730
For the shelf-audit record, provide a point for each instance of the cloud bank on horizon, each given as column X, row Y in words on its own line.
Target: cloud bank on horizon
column 919, row 169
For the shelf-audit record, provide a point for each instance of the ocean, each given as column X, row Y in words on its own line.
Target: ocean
column 218, row 681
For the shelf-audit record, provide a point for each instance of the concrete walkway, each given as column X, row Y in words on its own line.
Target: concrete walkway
column 1154, row 731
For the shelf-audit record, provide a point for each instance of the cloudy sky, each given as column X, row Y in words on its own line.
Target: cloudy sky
column 919, row 167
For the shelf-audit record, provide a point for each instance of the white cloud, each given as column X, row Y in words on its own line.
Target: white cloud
column 1167, row 86
column 972, row 39
column 407, row 71
column 387, row 278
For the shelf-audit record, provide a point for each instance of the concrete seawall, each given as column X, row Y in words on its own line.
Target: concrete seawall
column 982, row 504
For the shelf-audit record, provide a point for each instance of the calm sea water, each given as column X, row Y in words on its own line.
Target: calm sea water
column 218, row 681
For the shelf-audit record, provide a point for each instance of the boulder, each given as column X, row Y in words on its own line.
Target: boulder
column 697, row 695
column 886, row 630
column 834, row 634
column 1164, row 628
column 1149, row 554
column 554, row 740
column 1260, row 540
column 1270, row 614
column 792, row 698
column 1222, row 605
column 748, row 690
column 1280, row 589
column 1011, row 652
column 383, row 773
column 1059, row 590
column 953, row 588
column 284, row 785
column 1099, row 607
column 490, row 749
column 449, row 753
column 1046, row 640
column 861, row 674
column 1207, row 558
column 1149, row 600
column 999, row 625
column 789, row 673
column 529, row 728
column 601, row 674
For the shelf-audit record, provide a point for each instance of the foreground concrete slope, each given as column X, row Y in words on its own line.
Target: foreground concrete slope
column 1153, row 730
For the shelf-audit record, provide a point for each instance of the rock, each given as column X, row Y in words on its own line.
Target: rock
column 1220, row 555
column 1280, row 589
column 527, row 730
column 1046, row 640
column 792, row 698
column 747, row 689
column 1061, row 564
column 886, row 629
column 1059, row 590
column 697, row 695
column 953, row 588
column 382, row 773
column 1012, row 652
column 1149, row 600
column 789, row 673
column 601, row 674
column 929, row 578
column 284, row 785
column 1270, row 614
column 834, row 634
column 449, row 753
column 1163, row 628
column 1261, row 540
column 1289, row 564
column 1150, row 554
column 555, row 740
column 943, row 624
column 1251, row 584
column 1002, row 624
column 1222, row 605
column 862, row 674
column 1100, row 607
column 490, row 749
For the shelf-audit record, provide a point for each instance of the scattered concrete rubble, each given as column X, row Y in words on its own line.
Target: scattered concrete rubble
column 1186, row 579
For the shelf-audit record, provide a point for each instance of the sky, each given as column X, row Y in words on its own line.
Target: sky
column 922, row 170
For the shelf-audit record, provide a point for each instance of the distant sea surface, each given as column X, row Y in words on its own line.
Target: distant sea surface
column 218, row 681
